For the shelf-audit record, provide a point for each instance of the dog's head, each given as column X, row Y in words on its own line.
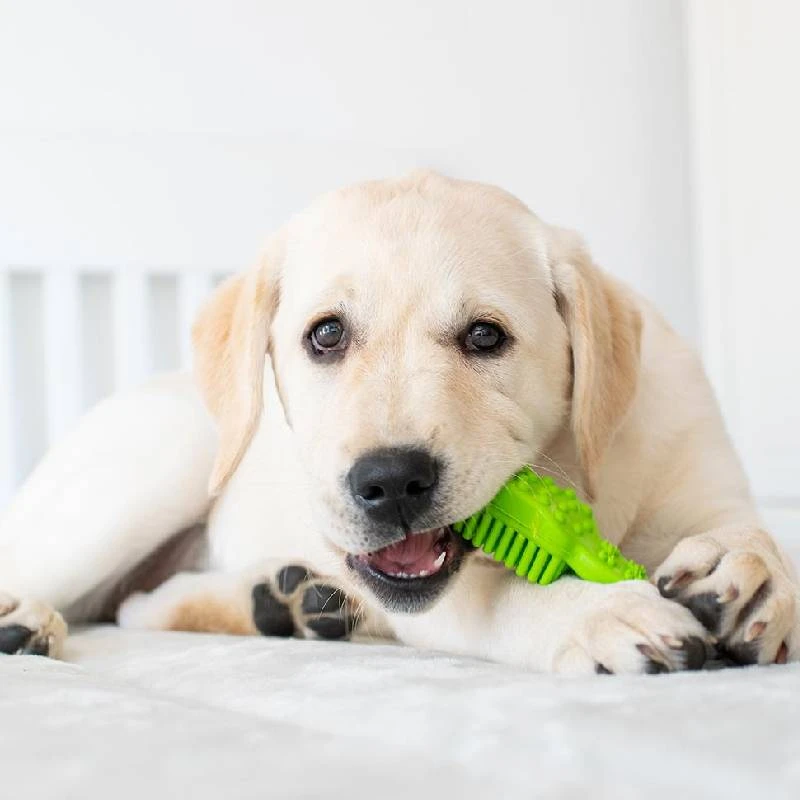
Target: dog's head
column 428, row 338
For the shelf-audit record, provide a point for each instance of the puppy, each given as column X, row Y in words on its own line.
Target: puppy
column 403, row 347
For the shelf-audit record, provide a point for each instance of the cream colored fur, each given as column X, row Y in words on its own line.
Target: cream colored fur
column 597, row 391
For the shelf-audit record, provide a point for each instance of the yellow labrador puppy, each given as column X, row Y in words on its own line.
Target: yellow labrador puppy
column 403, row 347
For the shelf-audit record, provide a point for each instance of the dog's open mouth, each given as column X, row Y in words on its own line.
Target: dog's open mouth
column 408, row 575
column 417, row 556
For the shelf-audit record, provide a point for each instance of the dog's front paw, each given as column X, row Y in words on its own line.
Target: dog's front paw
column 735, row 583
column 634, row 630
column 296, row 602
column 30, row 628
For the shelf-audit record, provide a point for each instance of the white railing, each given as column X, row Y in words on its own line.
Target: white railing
column 63, row 372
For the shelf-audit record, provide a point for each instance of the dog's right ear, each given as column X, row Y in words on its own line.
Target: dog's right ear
column 230, row 338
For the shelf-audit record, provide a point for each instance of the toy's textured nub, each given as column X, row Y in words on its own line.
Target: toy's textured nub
column 541, row 530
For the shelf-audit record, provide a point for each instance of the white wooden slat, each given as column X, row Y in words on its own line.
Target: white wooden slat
column 131, row 328
column 193, row 289
column 61, row 306
column 7, row 474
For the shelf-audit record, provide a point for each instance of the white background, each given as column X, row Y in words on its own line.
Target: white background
column 148, row 147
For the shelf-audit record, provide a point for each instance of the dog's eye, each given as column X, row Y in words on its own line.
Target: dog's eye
column 328, row 335
column 484, row 337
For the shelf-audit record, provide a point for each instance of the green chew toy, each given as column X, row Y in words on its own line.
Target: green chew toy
column 542, row 531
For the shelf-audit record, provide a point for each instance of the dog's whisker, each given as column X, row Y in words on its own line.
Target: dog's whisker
column 562, row 473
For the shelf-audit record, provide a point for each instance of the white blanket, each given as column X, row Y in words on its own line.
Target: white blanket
column 168, row 715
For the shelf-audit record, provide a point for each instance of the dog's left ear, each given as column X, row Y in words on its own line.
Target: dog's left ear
column 605, row 329
column 230, row 338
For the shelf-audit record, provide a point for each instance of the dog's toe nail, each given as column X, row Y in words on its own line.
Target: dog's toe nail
column 731, row 593
column 663, row 584
column 655, row 662
column 755, row 630
column 670, row 585
column 600, row 669
column 646, row 650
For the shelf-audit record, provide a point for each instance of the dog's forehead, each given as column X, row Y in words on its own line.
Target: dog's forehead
column 363, row 243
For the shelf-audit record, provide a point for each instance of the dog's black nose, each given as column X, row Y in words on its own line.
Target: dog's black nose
column 394, row 485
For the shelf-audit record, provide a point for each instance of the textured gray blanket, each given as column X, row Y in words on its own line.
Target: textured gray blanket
column 152, row 715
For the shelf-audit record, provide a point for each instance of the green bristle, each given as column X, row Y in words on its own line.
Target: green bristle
column 494, row 535
column 526, row 558
column 538, row 565
column 553, row 571
column 516, row 548
column 506, row 545
column 467, row 529
column 483, row 528
column 503, row 543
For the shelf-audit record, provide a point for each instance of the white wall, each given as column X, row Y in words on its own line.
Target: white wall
column 177, row 133
column 745, row 67
column 164, row 136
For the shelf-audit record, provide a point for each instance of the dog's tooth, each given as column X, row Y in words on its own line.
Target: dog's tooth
column 440, row 559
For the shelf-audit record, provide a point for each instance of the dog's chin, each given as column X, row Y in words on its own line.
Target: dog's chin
column 409, row 575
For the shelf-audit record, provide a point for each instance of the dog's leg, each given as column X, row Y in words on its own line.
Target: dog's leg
column 571, row 626
column 742, row 588
column 279, row 599
column 132, row 474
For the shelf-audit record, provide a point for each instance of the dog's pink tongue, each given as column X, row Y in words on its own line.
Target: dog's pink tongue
column 416, row 554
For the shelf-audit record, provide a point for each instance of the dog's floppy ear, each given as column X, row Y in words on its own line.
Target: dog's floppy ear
column 605, row 329
column 230, row 338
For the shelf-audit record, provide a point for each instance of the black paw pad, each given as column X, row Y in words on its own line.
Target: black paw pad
column 707, row 610
column 741, row 654
column 329, row 627
column 291, row 576
column 13, row 638
column 652, row 667
column 322, row 598
column 271, row 616
column 326, row 611
column 602, row 670
column 696, row 653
